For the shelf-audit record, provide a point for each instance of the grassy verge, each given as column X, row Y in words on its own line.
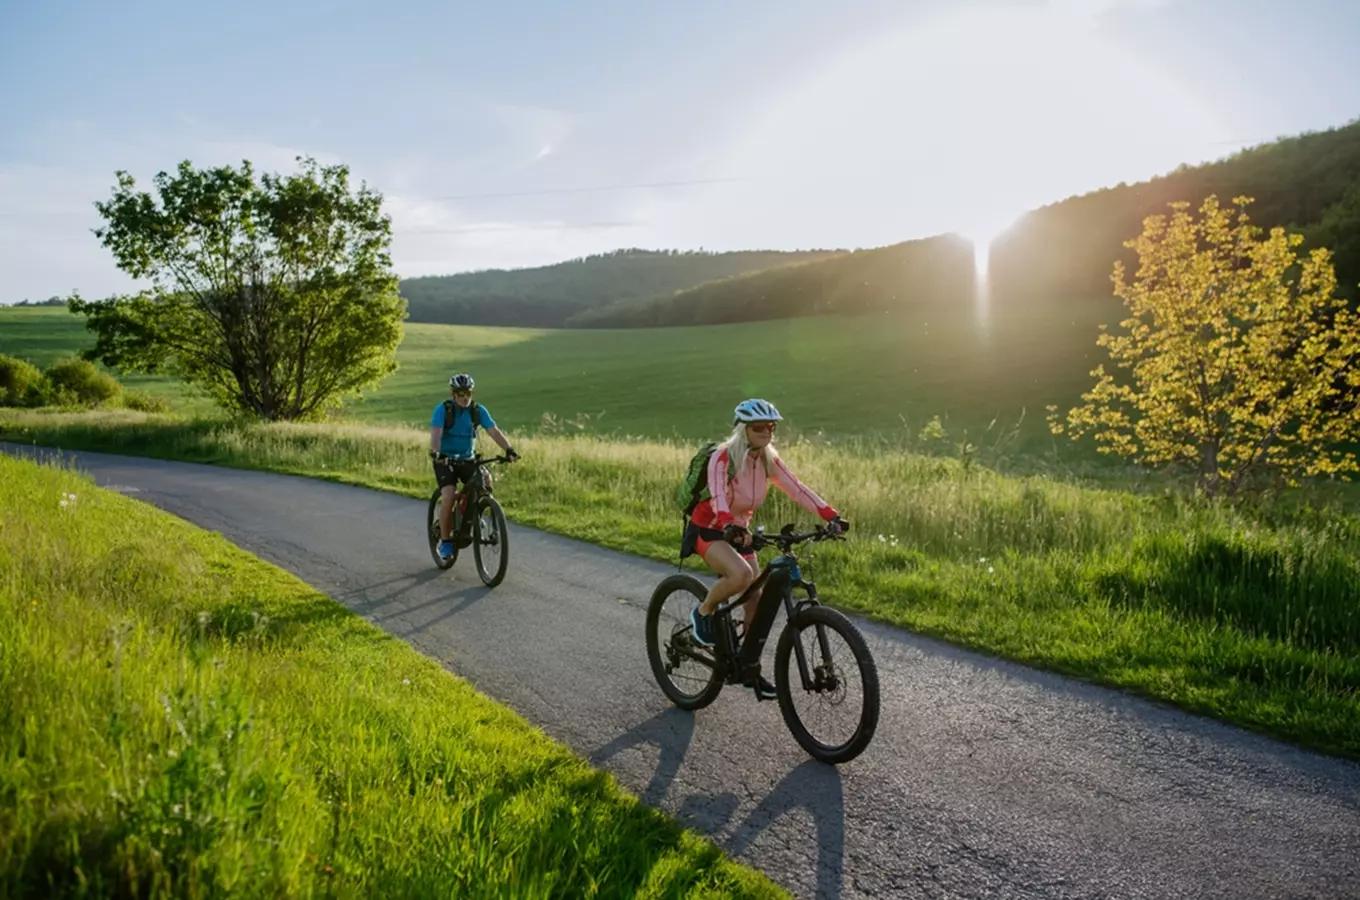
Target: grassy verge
column 1240, row 617
column 178, row 718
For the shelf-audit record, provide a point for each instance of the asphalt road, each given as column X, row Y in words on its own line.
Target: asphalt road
column 986, row 779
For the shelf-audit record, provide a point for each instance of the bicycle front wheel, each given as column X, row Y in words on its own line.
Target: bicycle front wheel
column 490, row 542
column 841, row 688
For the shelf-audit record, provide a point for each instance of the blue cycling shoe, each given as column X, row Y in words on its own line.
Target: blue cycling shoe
column 702, row 627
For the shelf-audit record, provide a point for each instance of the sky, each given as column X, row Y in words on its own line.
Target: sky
column 526, row 132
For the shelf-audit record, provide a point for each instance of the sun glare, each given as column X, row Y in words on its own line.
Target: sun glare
column 1025, row 107
column 981, row 234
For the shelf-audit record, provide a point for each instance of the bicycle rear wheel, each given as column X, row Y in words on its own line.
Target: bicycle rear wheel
column 687, row 673
column 844, row 682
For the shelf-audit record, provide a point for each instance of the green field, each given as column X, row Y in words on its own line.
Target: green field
column 181, row 719
column 1249, row 617
column 1240, row 614
column 42, row 335
column 841, row 376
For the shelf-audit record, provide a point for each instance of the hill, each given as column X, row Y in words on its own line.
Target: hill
column 935, row 270
column 1065, row 251
column 546, row 296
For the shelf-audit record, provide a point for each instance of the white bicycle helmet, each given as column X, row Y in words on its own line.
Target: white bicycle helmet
column 461, row 382
column 755, row 410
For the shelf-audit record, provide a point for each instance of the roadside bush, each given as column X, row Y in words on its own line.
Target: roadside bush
column 76, row 382
column 21, row 384
column 141, row 402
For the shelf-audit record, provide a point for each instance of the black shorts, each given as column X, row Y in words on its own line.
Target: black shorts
column 453, row 472
column 693, row 534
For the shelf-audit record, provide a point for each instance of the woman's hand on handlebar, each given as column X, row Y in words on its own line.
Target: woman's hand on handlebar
column 736, row 535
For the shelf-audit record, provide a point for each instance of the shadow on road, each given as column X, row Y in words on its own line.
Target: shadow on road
column 670, row 731
column 369, row 597
column 814, row 787
column 469, row 595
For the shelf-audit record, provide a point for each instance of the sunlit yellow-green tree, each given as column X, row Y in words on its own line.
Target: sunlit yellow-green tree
column 1237, row 359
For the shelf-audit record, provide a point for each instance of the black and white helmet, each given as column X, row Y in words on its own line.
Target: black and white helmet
column 756, row 411
column 461, row 382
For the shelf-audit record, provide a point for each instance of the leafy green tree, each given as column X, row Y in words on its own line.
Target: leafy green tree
column 1339, row 232
column 275, row 295
column 1238, row 357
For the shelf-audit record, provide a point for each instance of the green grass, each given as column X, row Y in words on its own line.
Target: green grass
column 1250, row 618
column 43, row 335
column 885, row 374
column 178, row 718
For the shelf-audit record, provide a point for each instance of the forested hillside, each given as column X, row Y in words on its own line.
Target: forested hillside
column 546, row 296
column 1308, row 183
column 936, row 269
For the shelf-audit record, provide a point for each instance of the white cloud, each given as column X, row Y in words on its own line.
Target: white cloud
column 528, row 130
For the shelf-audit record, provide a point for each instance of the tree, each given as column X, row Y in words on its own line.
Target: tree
column 276, row 296
column 1339, row 231
column 1239, row 359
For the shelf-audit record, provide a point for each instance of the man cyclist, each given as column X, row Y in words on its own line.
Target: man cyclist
column 453, row 434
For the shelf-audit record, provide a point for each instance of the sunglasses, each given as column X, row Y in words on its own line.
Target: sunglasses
column 462, row 393
column 762, row 426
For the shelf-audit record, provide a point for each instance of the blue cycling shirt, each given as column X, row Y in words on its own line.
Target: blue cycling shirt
column 459, row 440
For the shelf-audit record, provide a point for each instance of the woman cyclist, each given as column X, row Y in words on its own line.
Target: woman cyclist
column 718, row 526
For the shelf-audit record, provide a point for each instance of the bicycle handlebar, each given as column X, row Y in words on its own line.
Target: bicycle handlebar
column 761, row 540
column 476, row 460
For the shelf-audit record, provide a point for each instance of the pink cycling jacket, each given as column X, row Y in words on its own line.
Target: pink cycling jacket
column 746, row 491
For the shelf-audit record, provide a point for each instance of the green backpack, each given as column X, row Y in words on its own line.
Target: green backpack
column 693, row 490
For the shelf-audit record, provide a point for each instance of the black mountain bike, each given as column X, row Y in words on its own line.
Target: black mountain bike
column 843, row 682
column 484, row 530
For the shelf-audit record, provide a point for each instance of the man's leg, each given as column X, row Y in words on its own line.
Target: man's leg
column 447, row 493
column 464, row 474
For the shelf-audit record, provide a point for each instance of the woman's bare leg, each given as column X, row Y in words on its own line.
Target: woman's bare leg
column 734, row 576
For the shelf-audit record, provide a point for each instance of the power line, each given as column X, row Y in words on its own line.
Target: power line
column 508, row 228
column 599, row 189
column 532, row 226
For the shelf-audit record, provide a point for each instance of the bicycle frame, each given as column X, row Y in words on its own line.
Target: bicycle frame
column 466, row 497
column 738, row 660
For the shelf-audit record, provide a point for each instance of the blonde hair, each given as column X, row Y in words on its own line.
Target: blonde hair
column 737, row 448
